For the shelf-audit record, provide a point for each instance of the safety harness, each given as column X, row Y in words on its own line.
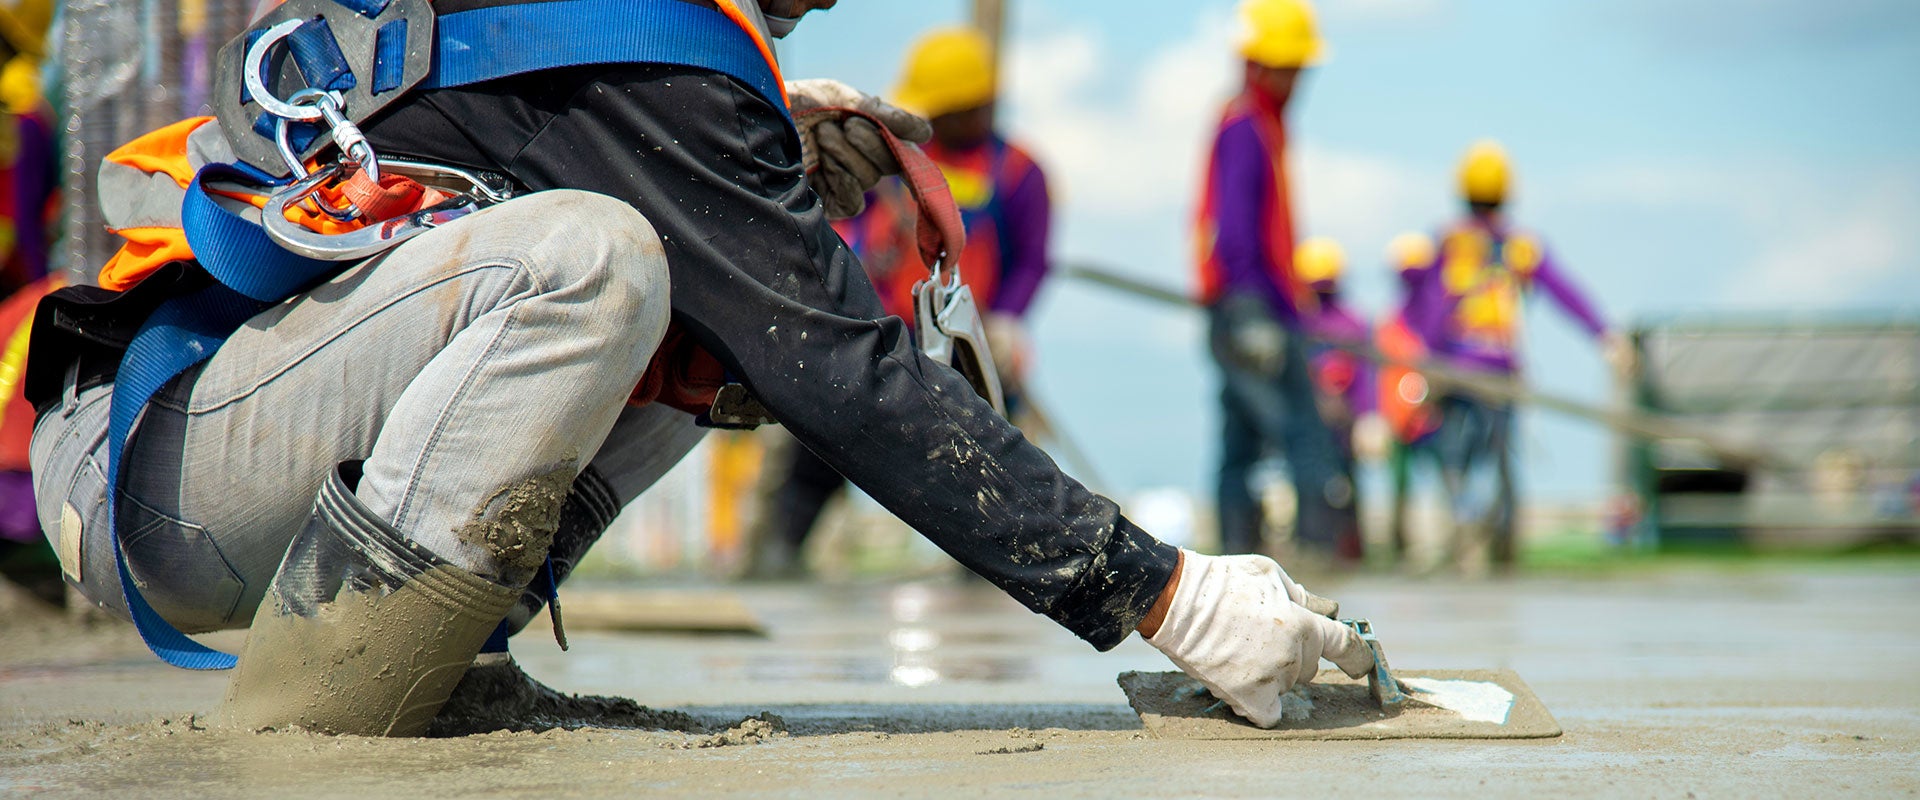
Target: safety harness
column 314, row 67
column 301, row 80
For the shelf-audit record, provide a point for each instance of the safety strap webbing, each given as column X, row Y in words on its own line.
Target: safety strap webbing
column 253, row 272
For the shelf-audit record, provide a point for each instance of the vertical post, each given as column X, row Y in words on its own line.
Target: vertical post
column 990, row 17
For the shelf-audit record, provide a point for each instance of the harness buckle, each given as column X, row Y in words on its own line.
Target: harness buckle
column 470, row 191
column 360, row 55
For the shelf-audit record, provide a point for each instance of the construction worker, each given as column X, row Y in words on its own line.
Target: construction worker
column 28, row 185
column 388, row 464
column 1404, row 396
column 949, row 78
column 1467, row 308
column 1256, row 305
column 1342, row 377
column 27, row 198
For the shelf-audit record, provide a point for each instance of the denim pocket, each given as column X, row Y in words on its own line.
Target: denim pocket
column 178, row 568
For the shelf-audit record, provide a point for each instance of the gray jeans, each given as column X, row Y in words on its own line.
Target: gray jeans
column 457, row 366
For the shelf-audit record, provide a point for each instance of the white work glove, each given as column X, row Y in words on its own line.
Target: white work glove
column 845, row 156
column 1259, row 345
column 1241, row 627
column 1619, row 353
column 1007, row 338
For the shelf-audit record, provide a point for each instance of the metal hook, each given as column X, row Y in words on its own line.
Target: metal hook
column 255, row 74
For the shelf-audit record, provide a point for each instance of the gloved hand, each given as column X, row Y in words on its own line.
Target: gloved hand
column 1259, row 345
column 845, row 156
column 1007, row 338
column 1240, row 626
column 1619, row 353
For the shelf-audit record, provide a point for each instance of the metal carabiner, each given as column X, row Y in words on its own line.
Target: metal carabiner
column 255, row 74
column 472, row 192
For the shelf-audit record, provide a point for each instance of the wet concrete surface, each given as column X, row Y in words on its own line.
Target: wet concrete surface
column 1670, row 682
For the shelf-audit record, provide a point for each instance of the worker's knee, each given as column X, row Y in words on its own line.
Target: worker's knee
column 597, row 255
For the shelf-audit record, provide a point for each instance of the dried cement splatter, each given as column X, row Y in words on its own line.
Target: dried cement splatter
column 752, row 730
column 516, row 525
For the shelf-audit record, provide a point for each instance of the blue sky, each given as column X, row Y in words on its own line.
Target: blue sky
column 1677, row 155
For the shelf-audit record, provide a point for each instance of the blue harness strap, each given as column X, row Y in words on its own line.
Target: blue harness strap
column 253, row 272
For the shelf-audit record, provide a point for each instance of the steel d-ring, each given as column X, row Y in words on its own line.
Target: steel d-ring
column 257, row 66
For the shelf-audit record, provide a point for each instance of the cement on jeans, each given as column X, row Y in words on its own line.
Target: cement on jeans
column 1341, row 709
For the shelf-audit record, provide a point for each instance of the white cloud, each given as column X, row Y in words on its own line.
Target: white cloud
column 1135, row 150
column 1831, row 256
column 1383, row 10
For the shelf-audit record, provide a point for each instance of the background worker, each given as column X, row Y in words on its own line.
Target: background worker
column 495, row 415
column 1404, row 400
column 1342, row 378
column 1467, row 306
column 28, row 189
column 949, row 78
column 1256, row 305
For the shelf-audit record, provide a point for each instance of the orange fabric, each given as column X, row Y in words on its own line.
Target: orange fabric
column 1406, row 399
column 739, row 18
column 162, row 150
column 682, row 375
column 1278, row 208
column 146, row 250
column 16, row 414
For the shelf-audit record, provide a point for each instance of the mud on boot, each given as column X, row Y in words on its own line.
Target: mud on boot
column 496, row 695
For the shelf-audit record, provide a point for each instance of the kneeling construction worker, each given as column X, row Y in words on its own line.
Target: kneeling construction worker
column 1002, row 194
column 1466, row 307
column 384, row 457
column 1256, row 305
column 1342, row 378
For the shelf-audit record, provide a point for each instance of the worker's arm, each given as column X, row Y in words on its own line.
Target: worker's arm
column 1242, row 180
column 1547, row 276
column 1028, row 224
column 761, row 280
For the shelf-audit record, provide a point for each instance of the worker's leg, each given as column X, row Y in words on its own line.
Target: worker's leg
column 1325, row 497
column 473, row 374
column 1251, row 416
column 1399, row 464
column 1502, row 514
column 1454, row 447
column 807, row 485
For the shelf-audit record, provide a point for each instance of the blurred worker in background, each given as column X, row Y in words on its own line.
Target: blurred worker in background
column 1466, row 305
column 1256, row 305
column 1342, row 377
column 27, row 191
column 949, row 78
column 1404, row 400
column 27, row 178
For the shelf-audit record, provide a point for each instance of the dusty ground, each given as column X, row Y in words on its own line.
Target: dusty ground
column 1701, row 682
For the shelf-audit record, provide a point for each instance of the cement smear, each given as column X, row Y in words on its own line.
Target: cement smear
column 368, row 663
column 516, row 525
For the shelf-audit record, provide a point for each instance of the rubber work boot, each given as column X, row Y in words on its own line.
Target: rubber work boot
column 588, row 509
column 495, row 695
column 361, row 632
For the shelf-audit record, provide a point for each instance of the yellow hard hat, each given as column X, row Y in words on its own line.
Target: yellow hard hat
column 1485, row 174
column 1319, row 260
column 1280, row 34
column 947, row 70
column 1410, row 250
column 23, row 23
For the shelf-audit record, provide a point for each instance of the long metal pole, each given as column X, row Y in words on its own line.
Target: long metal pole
column 990, row 17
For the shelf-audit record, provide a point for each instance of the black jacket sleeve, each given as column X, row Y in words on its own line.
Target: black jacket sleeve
column 762, row 281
